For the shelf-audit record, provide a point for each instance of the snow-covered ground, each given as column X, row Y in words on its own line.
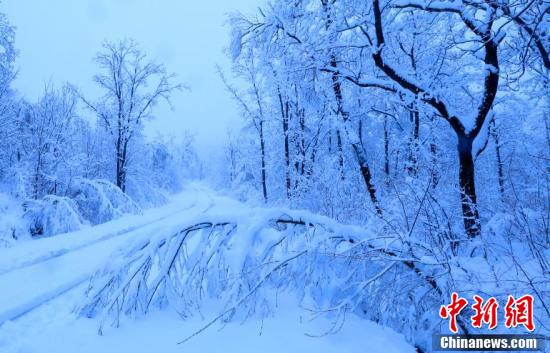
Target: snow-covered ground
column 54, row 328
column 43, row 281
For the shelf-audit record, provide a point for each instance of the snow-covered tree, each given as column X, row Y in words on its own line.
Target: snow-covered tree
column 132, row 86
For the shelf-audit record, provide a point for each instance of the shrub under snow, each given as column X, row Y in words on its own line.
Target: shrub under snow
column 11, row 225
column 52, row 215
column 99, row 201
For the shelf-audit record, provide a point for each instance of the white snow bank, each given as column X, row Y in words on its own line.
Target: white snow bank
column 55, row 329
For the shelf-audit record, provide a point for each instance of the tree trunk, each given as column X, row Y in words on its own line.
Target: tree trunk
column 121, row 166
column 302, row 149
column 359, row 150
column 340, row 155
column 286, row 121
column 386, row 150
column 434, row 172
column 434, row 158
column 262, row 152
column 285, row 111
column 468, row 196
column 120, row 172
column 367, row 177
column 500, row 166
column 414, row 116
column 37, row 173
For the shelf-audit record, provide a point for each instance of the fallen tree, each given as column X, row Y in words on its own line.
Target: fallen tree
column 243, row 259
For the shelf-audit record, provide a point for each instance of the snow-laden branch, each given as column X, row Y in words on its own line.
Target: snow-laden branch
column 432, row 6
column 238, row 257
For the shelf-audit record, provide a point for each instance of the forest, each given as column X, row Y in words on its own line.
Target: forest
column 390, row 153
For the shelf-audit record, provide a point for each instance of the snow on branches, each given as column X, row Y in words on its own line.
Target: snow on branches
column 241, row 258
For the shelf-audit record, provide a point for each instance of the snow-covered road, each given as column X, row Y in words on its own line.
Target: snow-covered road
column 43, row 280
column 37, row 271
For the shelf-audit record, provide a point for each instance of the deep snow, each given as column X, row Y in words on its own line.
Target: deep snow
column 43, row 281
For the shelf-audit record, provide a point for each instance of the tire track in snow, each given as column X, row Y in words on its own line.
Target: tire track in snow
column 37, row 282
column 21, row 310
column 61, row 252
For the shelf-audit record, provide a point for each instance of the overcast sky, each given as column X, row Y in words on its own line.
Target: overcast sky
column 57, row 40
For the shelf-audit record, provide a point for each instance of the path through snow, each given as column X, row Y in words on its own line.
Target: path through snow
column 42, row 281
